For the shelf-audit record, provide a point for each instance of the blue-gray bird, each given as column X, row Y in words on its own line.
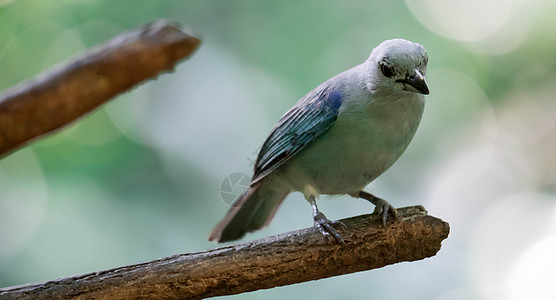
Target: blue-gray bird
column 336, row 140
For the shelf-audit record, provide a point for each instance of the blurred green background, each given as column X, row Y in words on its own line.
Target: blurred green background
column 141, row 178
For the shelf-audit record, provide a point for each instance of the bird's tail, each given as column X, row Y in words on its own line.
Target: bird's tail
column 253, row 210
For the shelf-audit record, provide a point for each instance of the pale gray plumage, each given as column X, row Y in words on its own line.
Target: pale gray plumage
column 337, row 139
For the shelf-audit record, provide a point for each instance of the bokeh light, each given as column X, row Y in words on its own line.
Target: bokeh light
column 490, row 27
column 532, row 276
column 463, row 20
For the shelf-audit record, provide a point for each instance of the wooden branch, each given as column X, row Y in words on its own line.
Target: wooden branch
column 284, row 259
column 59, row 96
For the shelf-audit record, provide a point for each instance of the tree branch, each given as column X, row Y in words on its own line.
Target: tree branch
column 279, row 260
column 59, row 96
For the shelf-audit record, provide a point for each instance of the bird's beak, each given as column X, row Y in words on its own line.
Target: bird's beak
column 416, row 82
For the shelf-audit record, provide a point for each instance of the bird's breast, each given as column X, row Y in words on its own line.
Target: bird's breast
column 359, row 147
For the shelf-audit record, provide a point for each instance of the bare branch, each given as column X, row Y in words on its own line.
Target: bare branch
column 59, row 96
column 284, row 259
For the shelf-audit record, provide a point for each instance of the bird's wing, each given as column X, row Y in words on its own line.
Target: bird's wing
column 313, row 115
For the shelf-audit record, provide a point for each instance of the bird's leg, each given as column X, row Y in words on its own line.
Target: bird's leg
column 382, row 207
column 323, row 224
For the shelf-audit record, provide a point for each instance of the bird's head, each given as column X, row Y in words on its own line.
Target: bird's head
column 398, row 66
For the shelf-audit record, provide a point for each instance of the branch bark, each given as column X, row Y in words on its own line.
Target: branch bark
column 59, row 96
column 279, row 260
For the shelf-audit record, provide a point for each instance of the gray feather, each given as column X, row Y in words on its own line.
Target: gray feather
column 252, row 210
column 313, row 115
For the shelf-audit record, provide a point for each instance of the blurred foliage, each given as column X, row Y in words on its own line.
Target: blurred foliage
column 139, row 178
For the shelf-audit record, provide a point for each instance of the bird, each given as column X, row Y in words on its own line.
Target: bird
column 336, row 140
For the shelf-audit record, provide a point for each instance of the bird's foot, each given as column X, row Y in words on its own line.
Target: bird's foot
column 382, row 208
column 326, row 227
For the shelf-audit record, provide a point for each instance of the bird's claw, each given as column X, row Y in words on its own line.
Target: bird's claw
column 326, row 228
column 382, row 209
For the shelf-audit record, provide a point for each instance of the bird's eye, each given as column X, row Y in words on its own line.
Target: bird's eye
column 386, row 70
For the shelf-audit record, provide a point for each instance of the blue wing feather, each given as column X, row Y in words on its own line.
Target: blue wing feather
column 308, row 119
